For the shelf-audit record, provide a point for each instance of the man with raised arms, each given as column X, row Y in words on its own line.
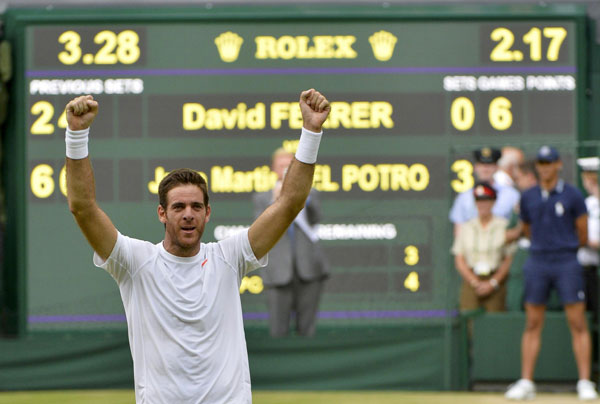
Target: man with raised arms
column 181, row 296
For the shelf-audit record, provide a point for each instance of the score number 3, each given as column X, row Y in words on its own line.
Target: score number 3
column 118, row 48
column 464, row 172
column 411, row 257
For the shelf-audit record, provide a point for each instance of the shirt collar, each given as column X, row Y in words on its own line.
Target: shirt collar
column 560, row 186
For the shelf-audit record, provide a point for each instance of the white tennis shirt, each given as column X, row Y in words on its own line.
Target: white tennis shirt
column 587, row 255
column 184, row 318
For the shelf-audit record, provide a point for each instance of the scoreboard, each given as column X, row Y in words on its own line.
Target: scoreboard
column 217, row 91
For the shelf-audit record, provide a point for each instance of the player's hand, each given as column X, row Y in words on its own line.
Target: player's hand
column 81, row 112
column 315, row 109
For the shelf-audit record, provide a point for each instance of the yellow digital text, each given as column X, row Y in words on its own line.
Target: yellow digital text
column 303, row 47
column 348, row 115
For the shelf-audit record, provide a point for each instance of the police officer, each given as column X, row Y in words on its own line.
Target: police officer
column 554, row 218
column 464, row 208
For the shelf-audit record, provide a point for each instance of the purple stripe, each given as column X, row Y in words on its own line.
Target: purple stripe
column 120, row 318
column 303, row 70
column 386, row 314
column 256, row 316
column 367, row 314
column 80, row 318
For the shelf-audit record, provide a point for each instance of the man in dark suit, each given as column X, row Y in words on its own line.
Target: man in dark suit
column 297, row 267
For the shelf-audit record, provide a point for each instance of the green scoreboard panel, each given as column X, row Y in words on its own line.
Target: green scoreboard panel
column 219, row 95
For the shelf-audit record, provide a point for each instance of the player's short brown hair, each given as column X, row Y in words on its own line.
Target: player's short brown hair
column 181, row 176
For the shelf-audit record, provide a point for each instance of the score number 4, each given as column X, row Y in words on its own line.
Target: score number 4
column 117, row 48
column 411, row 257
column 502, row 51
column 42, row 125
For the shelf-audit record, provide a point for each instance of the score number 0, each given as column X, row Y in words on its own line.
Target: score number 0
column 462, row 113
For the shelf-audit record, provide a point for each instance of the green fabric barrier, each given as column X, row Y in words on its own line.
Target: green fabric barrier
column 381, row 358
column 496, row 347
column 514, row 283
column 359, row 358
column 63, row 361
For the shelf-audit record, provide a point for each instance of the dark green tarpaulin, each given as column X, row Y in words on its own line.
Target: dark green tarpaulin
column 408, row 357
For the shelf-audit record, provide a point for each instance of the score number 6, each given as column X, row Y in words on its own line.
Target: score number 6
column 42, row 183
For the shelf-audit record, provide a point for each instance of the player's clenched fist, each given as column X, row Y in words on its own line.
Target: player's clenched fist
column 81, row 112
column 315, row 109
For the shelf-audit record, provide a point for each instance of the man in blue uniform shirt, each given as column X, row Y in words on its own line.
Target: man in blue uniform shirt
column 464, row 209
column 554, row 218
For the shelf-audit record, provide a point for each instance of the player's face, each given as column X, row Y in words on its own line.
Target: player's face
column 548, row 171
column 184, row 219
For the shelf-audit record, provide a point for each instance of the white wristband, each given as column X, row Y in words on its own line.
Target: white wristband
column 308, row 147
column 77, row 143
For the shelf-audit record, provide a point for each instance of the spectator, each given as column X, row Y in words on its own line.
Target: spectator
column 485, row 167
column 510, row 159
column 588, row 255
column 481, row 257
column 297, row 268
column 555, row 220
column 525, row 176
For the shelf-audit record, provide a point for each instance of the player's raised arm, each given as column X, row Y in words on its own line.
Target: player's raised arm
column 270, row 226
column 81, row 189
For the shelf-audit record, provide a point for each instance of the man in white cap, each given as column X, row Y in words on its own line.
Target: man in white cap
column 588, row 255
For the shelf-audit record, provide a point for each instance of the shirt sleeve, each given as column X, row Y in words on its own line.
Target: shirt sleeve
column 457, row 212
column 593, row 221
column 508, row 199
column 579, row 207
column 124, row 258
column 238, row 253
column 458, row 245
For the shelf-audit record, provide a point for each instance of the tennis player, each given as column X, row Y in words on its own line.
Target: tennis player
column 181, row 296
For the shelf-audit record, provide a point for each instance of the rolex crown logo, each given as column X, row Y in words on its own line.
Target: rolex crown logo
column 229, row 45
column 383, row 43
